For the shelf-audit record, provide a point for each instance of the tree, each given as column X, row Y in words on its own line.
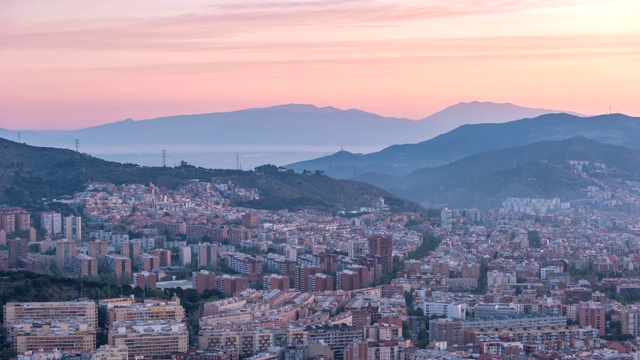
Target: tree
column 423, row 338
column 534, row 238
column 406, row 330
column 408, row 298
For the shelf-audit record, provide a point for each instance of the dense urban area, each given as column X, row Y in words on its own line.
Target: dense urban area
column 138, row 271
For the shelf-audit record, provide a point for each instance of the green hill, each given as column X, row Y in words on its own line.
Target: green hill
column 30, row 175
column 536, row 170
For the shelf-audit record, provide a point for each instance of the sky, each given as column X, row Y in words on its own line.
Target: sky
column 68, row 64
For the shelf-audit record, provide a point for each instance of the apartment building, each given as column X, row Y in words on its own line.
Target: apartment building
column 73, row 228
column 150, row 310
column 275, row 281
column 207, row 255
column 244, row 264
column 203, row 280
column 18, row 248
column 108, row 352
column 118, row 265
column 145, row 280
column 85, row 310
column 50, row 335
column 382, row 246
column 337, row 337
column 150, row 339
column 65, row 251
column 148, row 262
column 84, row 265
column 164, row 255
column 451, row 331
column 592, row 314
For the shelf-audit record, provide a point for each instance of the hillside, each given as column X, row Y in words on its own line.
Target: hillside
column 30, row 174
column 535, row 170
column 399, row 160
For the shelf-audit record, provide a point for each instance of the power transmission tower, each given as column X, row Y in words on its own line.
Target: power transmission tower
column 164, row 158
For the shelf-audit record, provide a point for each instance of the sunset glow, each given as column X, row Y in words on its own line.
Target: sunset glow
column 73, row 63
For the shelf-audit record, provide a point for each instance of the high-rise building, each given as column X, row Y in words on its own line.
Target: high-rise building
column 164, row 255
column 14, row 219
column 451, row 331
column 363, row 274
column 144, row 279
column 73, row 228
column 130, row 250
column 441, row 268
column 3, row 237
column 250, row 220
column 320, row 282
column 275, row 281
column 65, row 251
column 592, row 314
column 347, row 280
column 120, row 266
column 17, row 248
column 207, row 255
column 98, row 249
column 446, row 218
column 148, row 262
column 382, row 246
column 357, row 248
column 84, row 265
column 203, row 280
column 51, row 221
column 185, row 255
column 230, row 284
column 301, row 274
column 338, row 337
column 290, row 253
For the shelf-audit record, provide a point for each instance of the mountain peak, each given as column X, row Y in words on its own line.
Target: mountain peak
column 303, row 108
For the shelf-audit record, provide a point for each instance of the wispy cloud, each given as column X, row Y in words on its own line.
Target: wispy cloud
column 378, row 54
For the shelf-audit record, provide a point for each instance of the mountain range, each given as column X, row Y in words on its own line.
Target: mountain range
column 292, row 127
column 467, row 140
column 538, row 170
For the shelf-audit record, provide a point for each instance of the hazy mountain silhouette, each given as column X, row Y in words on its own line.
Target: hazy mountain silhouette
column 285, row 127
column 468, row 140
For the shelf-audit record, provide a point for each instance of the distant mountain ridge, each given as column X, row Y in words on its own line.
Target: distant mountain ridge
column 288, row 127
column 466, row 140
column 537, row 170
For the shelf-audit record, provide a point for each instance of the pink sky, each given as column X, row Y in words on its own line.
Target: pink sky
column 74, row 63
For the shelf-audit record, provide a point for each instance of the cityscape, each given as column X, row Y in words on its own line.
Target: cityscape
column 320, row 180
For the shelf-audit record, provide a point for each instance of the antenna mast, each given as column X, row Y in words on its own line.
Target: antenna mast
column 77, row 145
column 164, row 158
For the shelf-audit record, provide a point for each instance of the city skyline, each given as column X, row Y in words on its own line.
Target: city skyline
column 73, row 64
